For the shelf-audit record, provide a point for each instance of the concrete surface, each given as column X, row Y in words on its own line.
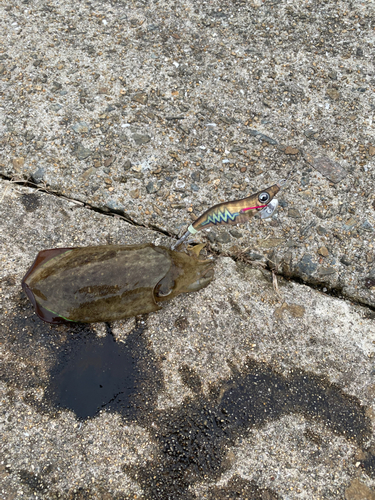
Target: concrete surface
column 121, row 123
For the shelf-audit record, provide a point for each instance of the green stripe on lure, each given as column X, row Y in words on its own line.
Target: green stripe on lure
column 236, row 211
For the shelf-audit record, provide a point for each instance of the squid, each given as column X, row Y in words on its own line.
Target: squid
column 110, row 282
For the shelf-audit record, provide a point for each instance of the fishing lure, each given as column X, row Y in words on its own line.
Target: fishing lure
column 236, row 211
column 110, row 282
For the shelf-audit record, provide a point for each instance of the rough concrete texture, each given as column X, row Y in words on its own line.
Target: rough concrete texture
column 158, row 110
column 235, row 388
column 126, row 121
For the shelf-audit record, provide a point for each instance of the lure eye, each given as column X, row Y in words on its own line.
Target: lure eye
column 264, row 197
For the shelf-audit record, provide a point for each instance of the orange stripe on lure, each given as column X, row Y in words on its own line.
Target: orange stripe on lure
column 236, row 211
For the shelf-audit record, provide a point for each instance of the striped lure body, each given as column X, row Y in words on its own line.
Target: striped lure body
column 236, row 211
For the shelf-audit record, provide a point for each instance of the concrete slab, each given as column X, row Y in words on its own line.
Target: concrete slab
column 242, row 386
column 127, row 121
column 158, row 111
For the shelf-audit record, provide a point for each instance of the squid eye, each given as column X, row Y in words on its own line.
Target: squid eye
column 264, row 197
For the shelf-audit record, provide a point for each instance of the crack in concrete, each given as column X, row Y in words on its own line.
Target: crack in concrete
column 330, row 291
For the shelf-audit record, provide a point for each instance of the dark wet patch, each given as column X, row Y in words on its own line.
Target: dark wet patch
column 239, row 488
column 193, row 438
column 31, row 347
column 190, row 378
column 77, row 369
column 30, row 201
column 33, row 481
column 93, row 374
column 85, row 373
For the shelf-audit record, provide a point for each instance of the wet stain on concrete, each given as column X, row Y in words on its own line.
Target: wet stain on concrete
column 86, row 373
column 93, row 374
column 239, row 488
column 193, row 437
column 30, row 201
column 77, row 369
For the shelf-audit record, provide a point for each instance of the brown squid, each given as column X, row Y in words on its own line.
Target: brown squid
column 108, row 283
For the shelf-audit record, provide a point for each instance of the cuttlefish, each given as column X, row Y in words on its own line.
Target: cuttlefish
column 109, row 282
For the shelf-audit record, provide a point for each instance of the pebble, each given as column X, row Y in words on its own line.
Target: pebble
column 332, row 75
column 333, row 94
column 223, row 237
column 367, row 226
column 311, row 133
column 271, row 242
column 330, row 169
column 127, row 165
column 80, row 127
column 306, row 265
column 38, row 175
column 115, row 206
column 289, row 150
column 109, row 161
column 235, row 233
column 141, row 98
column 194, row 187
column 153, row 187
column 262, row 137
column 349, row 224
column 371, row 150
column 86, row 174
column 81, row 152
column 326, row 271
column 323, row 251
column 293, row 212
column 344, row 259
column 267, row 139
column 56, row 107
column 254, row 256
column 18, row 163
column 56, row 86
column 141, row 139
column 29, row 136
